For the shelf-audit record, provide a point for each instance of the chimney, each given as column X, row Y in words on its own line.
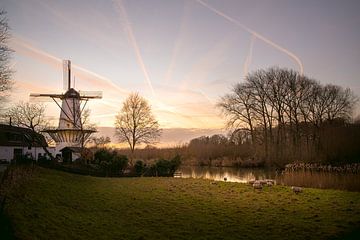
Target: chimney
column 10, row 121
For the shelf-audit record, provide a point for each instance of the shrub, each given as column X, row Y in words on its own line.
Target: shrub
column 165, row 168
column 102, row 155
column 175, row 164
column 118, row 163
column 139, row 168
column 24, row 160
column 111, row 162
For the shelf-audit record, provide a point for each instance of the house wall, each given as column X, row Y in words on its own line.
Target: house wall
column 7, row 152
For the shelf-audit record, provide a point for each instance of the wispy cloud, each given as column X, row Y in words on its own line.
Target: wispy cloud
column 88, row 31
column 256, row 34
column 119, row 7
column 202, row 68
column 25, row 48
column 178, row 43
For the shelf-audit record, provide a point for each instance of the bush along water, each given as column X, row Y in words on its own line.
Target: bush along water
column 111, row 162
column 161, row 168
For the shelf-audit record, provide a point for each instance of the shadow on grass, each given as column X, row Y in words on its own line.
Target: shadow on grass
column 6, row 231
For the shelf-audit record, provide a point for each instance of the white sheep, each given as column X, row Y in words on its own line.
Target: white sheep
column 269, row 183
column 251, row 182
column 257, row 185
column 296, row 189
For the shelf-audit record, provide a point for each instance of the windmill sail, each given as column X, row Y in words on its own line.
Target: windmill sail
column 66, row 74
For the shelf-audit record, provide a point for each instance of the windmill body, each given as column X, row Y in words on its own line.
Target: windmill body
column 70, row 132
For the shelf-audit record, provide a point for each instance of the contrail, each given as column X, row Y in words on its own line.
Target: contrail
column 178, row 44
column 121, row 10
column 249, row 56
column 259, row 36
column 18, row 42
column 98, row 76
column 22, row 47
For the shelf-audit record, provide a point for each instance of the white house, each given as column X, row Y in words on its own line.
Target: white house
column 17, row 141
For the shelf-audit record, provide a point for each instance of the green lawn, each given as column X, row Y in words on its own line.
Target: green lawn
column 58, row 205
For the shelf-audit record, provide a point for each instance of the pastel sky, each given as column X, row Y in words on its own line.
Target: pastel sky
column 182, row 55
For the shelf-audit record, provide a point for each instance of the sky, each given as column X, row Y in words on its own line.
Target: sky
column 181, row 55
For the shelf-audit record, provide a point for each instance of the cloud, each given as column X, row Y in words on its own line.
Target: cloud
column 25, row 48
column 178, row 43
column 174, row 107
column 119, row 7
column 295, row 58
column 170, row 136
column 212, row 59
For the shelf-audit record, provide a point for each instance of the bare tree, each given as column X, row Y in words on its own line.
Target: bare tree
column 135, row 122
column 85, row 125
column 286, row 113
column 238, row 107
column 6, row 81
column 100, row 142
column 32, row 116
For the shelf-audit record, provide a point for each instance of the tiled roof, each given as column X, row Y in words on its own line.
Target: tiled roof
column 19, row 136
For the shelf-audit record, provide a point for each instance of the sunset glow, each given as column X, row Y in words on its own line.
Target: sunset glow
column 182, row 56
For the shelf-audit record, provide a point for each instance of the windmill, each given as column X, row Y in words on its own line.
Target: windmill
column 70, row 131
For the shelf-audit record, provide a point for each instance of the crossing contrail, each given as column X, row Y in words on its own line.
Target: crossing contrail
column 123, row 15
column 249, row 56
column 258, row 35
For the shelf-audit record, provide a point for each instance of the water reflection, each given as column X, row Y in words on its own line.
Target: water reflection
column 343, row 181
column 242, row 175
column 349, row 182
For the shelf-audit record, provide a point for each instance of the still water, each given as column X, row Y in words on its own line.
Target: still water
column 311, row 179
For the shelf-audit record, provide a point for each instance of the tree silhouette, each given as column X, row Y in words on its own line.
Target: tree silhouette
column 135, row 123
column 6, row 81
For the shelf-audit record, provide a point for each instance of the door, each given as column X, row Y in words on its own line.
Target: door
column 18, row 153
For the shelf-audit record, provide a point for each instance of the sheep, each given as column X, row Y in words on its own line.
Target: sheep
column 296, row 189
column 257, row 185
column 251, row 182
column 262, row 182
column 269, row 183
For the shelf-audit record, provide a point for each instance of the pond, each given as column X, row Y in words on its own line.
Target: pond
column 311, row 179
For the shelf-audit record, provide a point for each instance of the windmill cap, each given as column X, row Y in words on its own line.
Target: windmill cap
column 72, row 93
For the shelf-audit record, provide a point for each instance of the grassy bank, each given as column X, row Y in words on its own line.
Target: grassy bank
column 58, row 205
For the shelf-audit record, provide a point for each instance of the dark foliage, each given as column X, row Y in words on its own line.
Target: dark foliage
column 111, row 162
column 161, row 168
column 139, row 168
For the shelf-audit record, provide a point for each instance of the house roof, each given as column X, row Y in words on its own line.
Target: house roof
column 20, row 137
column 72, row 149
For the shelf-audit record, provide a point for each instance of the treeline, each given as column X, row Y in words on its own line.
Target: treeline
column 339, row 145
column 289, row 117
column 275, row 117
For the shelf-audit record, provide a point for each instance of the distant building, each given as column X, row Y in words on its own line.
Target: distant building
column 17, row 141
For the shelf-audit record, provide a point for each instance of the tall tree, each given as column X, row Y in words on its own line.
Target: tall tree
column 135, row 123
column 6, row 81
column 290, row 109
column 238, row 107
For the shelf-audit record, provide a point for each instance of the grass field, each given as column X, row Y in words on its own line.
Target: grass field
column 58, row 205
